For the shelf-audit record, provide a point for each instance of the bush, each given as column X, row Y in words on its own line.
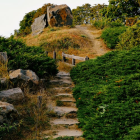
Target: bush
column 107, row 94
column 134, row 133
column 130, row 38
column 104, row 22
column 23, row 57
column 111, row 36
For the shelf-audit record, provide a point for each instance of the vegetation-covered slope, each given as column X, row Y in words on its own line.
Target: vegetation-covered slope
column 21, row 56
column 107, row 94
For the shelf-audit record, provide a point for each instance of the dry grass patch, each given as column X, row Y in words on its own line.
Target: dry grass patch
column 3, row 71
column 35, row 118
column 64, row 67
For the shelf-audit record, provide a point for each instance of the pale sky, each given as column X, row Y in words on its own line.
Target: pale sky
column 13, row 11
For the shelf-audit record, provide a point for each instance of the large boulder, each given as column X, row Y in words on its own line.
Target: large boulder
column 39, row 24
column 59, row 15
column 12, row 95
column 3, row 57
column 20, row 76
column 8, row 114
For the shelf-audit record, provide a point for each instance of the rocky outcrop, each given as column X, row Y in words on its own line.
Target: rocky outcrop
column 23, row 76
column 3, row 57
column 8, row 113
column 59, row 15
column 11, row 95
column 39, row 24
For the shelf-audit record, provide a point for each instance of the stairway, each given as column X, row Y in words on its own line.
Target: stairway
column 63, row 104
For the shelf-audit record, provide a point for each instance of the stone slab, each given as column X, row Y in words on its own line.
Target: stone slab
column 39, row 24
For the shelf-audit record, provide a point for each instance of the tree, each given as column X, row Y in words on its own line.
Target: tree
column 122, row 9
column 25, row 24
column 85, row 13
column 95, row 10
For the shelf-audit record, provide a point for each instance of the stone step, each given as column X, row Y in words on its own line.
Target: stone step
column 65, row 121
column 64, row 95
column 67, row 99
column 66, row 104
column 63, row 77
column 58, row 83
column 64, row 110
column 63, row 81
column 63, row 132
column 62, row 73
column 67, row 132
column 62, row 89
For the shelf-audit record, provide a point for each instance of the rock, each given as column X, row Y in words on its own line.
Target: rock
column 3, row 57
column 59, row 15
column 24, row 76
column 39, row 24
column 4, row 83
column 11, row 95
column 8, row 113
column 3, row 80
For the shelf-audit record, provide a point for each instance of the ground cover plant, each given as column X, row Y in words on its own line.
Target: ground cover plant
column 24, row 57
column 111, row 35
column 107, row 94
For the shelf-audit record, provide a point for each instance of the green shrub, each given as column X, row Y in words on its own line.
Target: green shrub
column 106, row 22
column 134, row 134
column 107, row 94
column 130, row 38
column 23, row 57
column 111, row 36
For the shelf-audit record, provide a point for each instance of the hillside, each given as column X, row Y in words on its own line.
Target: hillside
column 80, row 41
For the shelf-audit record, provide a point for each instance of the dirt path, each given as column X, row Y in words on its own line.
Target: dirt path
column 98, row 45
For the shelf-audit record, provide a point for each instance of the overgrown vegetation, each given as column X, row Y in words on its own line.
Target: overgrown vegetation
column 28, row 19
column 107, row 94
column 130, row 38
column 24, row 57
column 111, row 36
column 33, row 119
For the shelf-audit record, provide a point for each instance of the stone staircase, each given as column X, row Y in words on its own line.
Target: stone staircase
column 64, row 106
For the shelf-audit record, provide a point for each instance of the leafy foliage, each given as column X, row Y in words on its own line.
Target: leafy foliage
column 107, row 94
column 130, row 38
column 111, row 36
column 25, row 24
column 134, row 133
column 104, row 22
column 83, row 14
column 122, row 8
column 33, row 58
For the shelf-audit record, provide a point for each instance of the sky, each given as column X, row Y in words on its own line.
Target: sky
column 13, row 11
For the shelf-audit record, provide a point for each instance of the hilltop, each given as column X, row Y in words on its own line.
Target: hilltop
column 82, row 40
